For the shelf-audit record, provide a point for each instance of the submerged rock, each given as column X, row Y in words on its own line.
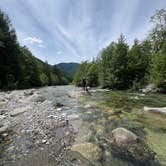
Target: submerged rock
column 123, row 136
column 156, row 110
column 127, row 146
column 88, row 150
column 77, row 159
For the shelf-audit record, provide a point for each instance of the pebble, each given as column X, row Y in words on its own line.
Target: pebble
column 3, row 129
column 67, row 133
column 2, row 117
column 10, row 148
column 37, row 142
column 3, row 111
column 59, row 109
column 53, row 116
column 44, row 141
column 4, row 134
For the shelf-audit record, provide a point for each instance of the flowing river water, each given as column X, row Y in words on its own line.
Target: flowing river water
column 93, row 116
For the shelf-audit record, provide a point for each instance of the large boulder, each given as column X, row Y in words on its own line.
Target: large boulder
column 128, row 146
column 123, row 136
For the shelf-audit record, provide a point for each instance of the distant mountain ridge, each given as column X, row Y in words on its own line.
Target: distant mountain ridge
column 68, row 68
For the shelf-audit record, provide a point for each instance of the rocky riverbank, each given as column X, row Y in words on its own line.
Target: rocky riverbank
column 32, row 129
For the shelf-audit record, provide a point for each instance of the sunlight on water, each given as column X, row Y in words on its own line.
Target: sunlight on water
column 108, row 110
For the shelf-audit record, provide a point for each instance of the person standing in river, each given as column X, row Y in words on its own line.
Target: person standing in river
column 84, row 84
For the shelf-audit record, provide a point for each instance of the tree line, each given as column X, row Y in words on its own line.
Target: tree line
column 120, row 66
column 18, row 67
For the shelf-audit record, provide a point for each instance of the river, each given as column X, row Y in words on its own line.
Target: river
column 63, row 125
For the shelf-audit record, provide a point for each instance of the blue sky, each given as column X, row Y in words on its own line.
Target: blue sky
column 76, row 30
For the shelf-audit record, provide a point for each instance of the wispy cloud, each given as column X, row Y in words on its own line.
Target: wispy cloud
column 72, row 30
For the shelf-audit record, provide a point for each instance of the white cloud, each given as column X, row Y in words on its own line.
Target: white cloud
column 34, row 41
column 59, row 52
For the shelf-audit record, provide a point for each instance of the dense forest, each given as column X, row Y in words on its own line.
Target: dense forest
column 18, row 67
column 120, row 66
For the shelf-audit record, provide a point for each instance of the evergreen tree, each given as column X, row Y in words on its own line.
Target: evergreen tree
column 138, row 64
column 158, row 70
column 92, row 75
column 119, row 64
column 158, row 34
column 9, row 51
column 105, row 68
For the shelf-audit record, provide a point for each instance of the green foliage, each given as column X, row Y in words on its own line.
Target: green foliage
column 92, row 75
column 9, row 52
column 113, row 65
column 158, row 34
column 105, row 66
column 30, row 71
column 44, row 79
column 88, row 71
column 58, row 77
column 158, row 40
column 138, row 64
column 158, row 70
column 81, row 73
column 119, row 64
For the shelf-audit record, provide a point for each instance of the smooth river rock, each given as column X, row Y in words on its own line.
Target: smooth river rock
column 128, row 146
column 123, row 136
column 161, row 110
column 88, row 150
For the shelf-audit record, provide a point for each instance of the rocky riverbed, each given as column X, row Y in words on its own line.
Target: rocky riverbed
column 64, row 126
column 33, row 131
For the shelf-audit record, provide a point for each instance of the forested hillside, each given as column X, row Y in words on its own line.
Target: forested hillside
column 121, row 66
column 68, row 69
column 18, row 67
